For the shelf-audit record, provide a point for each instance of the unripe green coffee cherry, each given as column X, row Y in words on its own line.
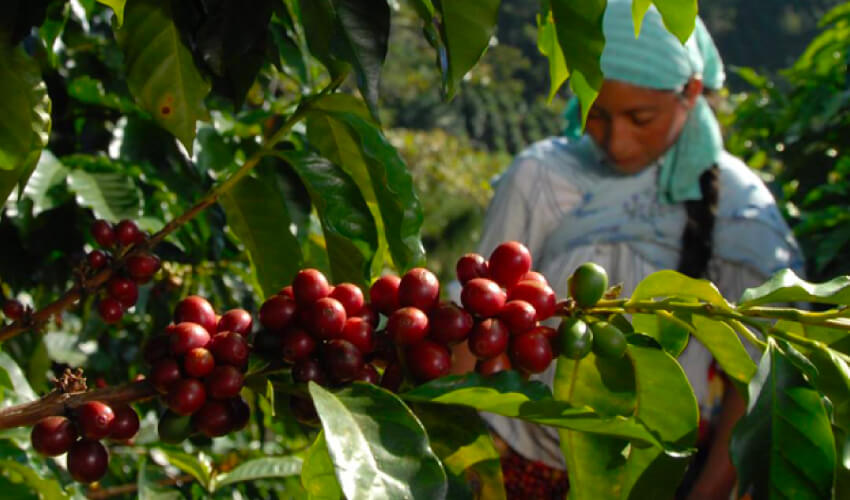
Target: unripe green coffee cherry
column 608, row 340
column 174, row 428
column 587, row 284
column 575, row 338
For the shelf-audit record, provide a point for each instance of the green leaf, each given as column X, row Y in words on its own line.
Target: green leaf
column 317, row 473
column 401, row 211
column 111, row 195
column 47, row 488
column 639, row 10
column 48, row 175
column 673, row 283
column 160, row 71
column 726, row 347
column 667, row 405
column 258, row 215
column 350, row 232
column 118, row 7
column 679, row 16
column 833, row 380
column 90, row 91
column 259, row 468
column 148, row 489
column 672, row 336
column 319, row 20
column 193, row 465
column 784, row 444
column 547, row 44
column 466, row 31
column 22, row 392
column 786, row 286
column 379, row 448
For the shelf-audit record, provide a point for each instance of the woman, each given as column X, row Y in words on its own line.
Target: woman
column 648, row 187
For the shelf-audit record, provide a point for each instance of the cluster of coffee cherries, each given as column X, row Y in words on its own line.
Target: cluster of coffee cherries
column 80, row 434
column 532, row 479
column 138, row 267
column 198, row 366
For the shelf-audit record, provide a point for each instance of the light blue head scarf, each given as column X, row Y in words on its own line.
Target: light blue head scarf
column 658, row 60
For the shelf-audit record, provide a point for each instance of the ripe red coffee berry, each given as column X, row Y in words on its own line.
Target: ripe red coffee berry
column 519, row 316
column 287, row 292
column 307, row 370
column 508, row 262
column 94, row 419
column 341, row 360
column 489, row 338
column 124, row 290
column 326, row 318
column 164, row 374
column 13, row 309
column 110, row 310
column 310, row 285
column 213, row 419
column 230, row 348
column 449, row 324
column 157, row 348
column 482, row 297
column 277, row 312
column 350, row 296
column 97, row 259
column 471, row 266
column 369, row 374
column 142, row 266
column 303, row 410
column 360, row 333
column 493, row 365
column 126, row 232
column 531, row 352
column 383, row 294
column 53, row 436
column 195, row 309
column 240, row 413
column 419, row 288
column 198, row 362
column 408, row 325
column 224, row 382
column 236, row 320
column 540, row 296
column 534, row 276
column 126, row 423
column 393, row 377
column 428, row 360
column 297, row 344
column 186, row 396
column 187, row 336
column 87, row 461
column 103, row 233
column 369, row 314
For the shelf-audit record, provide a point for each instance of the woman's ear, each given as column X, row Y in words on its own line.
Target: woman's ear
column 692, row 90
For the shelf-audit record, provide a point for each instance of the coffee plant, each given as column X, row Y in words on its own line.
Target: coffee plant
column 164, row 162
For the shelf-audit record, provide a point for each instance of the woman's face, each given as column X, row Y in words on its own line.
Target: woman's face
column 636, row 125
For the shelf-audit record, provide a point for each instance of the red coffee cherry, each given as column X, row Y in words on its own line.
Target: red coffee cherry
column 142, row 266
column 126, row 232
column 508, row 262
column 408, row 325
column 124, row 290
column 342, row 361
column 97, row 259
column 157, row 348
column 198, row 362
column 224, row 382
column 350, row 296
column 186, row 396
column 304, row 411
column 198, row 310
column 540, row 296
column 94, row 419
column 489, row 338
column 428, row 360
column 213, row 419
column 287, row 292
column 384, row 352
column 393, row 377
column 309, row 285
column 297, row 345
column 534, row 276
column 230, row 348
column 384, row 294
column 240, row 413
column 53, row 436
column 126, row 423
column 326, row 317
column 369, row 314
column 277, row 312
column 103, row 233
column 307, row 370
column 419, row 288
column 360, row 333
column 13, row 309
column 482, row 297
column 187, row 336
column 236, row 320
column 471, row 266
column 368, row 374
column 165, row 373
column 110, row 310
column 531, row 352
column 87, row 461
column 519, row 316
column 493, row 365
column 449, row 324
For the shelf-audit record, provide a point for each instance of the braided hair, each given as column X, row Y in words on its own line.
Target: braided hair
column 698, row 235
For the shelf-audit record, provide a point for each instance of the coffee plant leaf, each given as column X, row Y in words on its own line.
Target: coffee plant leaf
column 547, row 44
column 111, row 195
column 259, row 468
column 194, row 465
column 724, row 344
column 317, row 473
column 673, row 283
column 117, row 6
column 786, row 286
column 672, row 336
column 467, row 28
column 679, row 16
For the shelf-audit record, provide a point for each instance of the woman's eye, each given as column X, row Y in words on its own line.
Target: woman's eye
column 642, row 118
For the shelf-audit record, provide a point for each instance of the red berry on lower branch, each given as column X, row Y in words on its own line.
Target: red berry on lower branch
column 53, row 436
column 186, row 396
column 165, row 373
column 359, row 332
column 449, row 324
column 126, row 232
column 13, row 309
column 428, row 360
column 278, row 312
column 142, row 266
column 519, row 316
column 213, row 419
column 103, row 233
column 341, row 360
column 408, row 325
column 471, row 266
column 350, row 296
column 236, row 320
column 384, row 294
column 126, row 423
column 482, row 297
column 326, row 318
column 195, row 309
column 230, row 348
column 224, row 382
column 297, row 345
column 489, row 338
column 310, row 285
column 124, row 290
column 97, row 259
column 306, row 370
column 110, row 310
column 531, row 352
column 87, row 461
column 240, row 413
column 94, row 419
column 187, row 336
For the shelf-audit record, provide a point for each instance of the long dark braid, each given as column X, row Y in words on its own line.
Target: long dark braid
column 698, row 236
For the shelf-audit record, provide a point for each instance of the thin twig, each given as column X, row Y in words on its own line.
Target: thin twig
column 112, row 491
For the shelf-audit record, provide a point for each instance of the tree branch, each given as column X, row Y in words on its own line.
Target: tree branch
column 112, row 491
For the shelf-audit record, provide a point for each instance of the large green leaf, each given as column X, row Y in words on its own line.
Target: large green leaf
column 111, row 195
column 667, row 405
column 673, row 283
column 378, row 446
column 786, row 286
column 21, row 390
column 783, row 447
column 679, row 16
column 160, row 71
column 90, row 91
column 259, row 468
column 401, row 212
column 196, row 466
column 467, row 27
column 148, row 489
column 118, row 7
column 49, row 174
column 322, row 29
column 48, row 488
column 317, row 473
column 350, row 232
column 726, row 347
column 258, row 215
column 833, row 380
column 672, row 336
column 547, row 43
